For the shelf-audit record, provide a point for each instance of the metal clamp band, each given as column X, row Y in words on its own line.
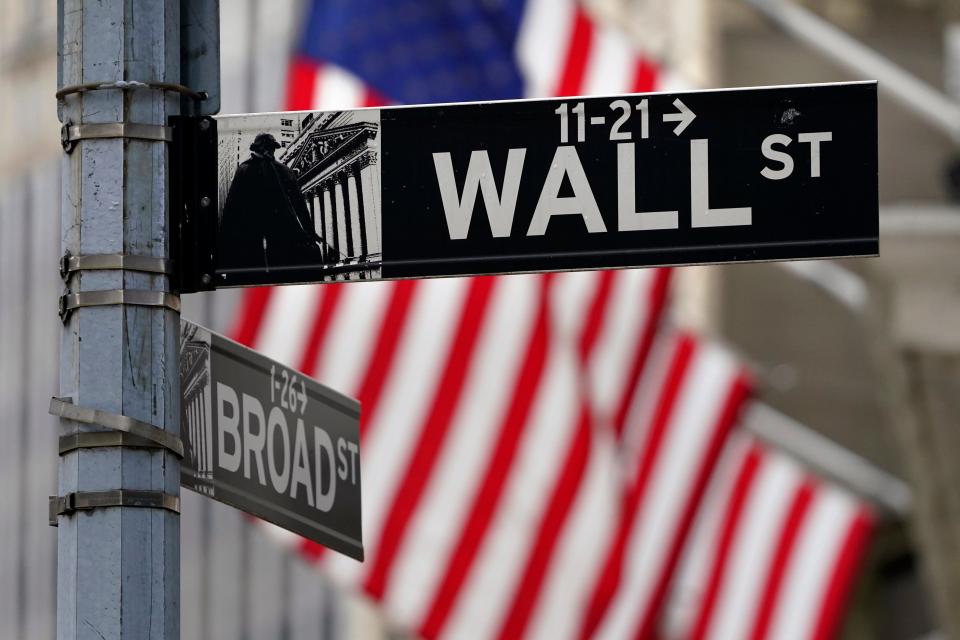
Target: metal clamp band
column 136, row 297
column 113, row 261
column 128, row 85
column 70, row 134
column 64, row 408
column 87, row 500
column 97, row 439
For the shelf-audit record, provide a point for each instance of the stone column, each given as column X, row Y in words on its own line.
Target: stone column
column 330, row 226
column 309, row 196
column 356, row 213
column 313, row 204
column 319, row 219
column 343, row 220
column 202, row 428
column 207, row 433
column 193, row 423
column 200, row 431
column 370, row 190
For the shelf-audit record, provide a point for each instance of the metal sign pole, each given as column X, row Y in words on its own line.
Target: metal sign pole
column 117, row 508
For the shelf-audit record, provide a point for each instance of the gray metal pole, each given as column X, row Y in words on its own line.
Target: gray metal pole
column 118, row 573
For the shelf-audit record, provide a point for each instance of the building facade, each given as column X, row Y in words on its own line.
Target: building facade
column 336, row 160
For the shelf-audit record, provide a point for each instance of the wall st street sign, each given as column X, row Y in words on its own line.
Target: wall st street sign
column 532, row 185
column 268, row 440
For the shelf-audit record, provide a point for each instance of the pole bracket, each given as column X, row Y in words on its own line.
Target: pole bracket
column 89, row 500
column 109, row 297
column 64, row 408
column 70, row 133
column 97, row 439
column 70, row 264
column 130, row 85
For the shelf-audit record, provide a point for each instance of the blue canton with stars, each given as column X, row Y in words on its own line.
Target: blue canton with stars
column 420, row 51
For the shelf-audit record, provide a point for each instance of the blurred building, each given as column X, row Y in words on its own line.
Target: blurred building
column 29, row 333
column 807, row 331
column 816, row 336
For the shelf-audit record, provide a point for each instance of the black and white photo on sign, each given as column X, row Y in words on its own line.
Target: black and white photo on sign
column 196, row 420
column 300, row 190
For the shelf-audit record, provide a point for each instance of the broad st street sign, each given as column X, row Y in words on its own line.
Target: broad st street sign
column 532, row 185
column 268, row 440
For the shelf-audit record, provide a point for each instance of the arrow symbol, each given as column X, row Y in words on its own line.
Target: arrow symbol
column 683, row 118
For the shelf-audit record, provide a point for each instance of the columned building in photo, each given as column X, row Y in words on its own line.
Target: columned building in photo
column 335, row 158
column 196, row 411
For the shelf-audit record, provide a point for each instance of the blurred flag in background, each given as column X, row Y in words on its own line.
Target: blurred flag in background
column 367, row 52
column 535, row 448
column 774, row 552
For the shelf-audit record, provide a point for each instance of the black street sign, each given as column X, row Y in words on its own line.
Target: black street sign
column 270, row 441
column 531, row 185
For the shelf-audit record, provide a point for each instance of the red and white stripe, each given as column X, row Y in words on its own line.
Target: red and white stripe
column 561, row 51
column 326, row 87
column 499, row 499
column 684, row 409
column 491, row 482
column 773, row 554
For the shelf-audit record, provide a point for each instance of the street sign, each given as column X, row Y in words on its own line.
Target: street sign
column 531, row 185
column 270, row 441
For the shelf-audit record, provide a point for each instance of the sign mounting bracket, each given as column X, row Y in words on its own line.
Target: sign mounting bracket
column 64, row 408
column 88, row 500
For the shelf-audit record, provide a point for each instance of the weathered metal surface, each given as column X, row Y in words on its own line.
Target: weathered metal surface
column 120, row 359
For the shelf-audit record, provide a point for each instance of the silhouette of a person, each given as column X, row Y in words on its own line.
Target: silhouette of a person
column 265, row 220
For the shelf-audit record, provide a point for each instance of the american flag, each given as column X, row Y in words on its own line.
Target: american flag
column 534, row 448
column 773, row 553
